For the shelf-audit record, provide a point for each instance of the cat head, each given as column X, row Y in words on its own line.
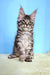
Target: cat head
column 22, row 15
column 27, row 20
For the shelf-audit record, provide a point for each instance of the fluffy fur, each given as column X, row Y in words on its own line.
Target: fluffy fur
column 23, row 45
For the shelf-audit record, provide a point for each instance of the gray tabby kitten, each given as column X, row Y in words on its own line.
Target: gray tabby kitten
column 23, row 45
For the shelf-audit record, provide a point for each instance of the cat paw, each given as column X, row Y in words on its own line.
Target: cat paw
column 11, row 56
column 28, row 60
column 22, row 58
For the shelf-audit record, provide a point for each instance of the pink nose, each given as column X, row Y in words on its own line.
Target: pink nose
column 27, row 21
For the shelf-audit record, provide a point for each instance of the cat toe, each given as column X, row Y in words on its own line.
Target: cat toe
column 9, row 57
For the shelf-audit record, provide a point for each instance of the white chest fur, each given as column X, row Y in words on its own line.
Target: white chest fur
column 25, row 41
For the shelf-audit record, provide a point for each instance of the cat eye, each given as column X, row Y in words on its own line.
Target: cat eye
column 23, row 21
column 30, row 23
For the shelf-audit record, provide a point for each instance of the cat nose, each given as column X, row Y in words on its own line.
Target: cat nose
column 27, row 21
column 25, row 25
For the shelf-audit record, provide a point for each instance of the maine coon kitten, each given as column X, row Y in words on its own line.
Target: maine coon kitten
column 23, row 45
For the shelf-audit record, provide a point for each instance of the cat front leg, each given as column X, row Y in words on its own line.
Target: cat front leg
column 22, row 56
column 29, row 55
column 21, row 51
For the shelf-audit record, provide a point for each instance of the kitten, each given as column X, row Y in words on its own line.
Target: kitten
column 23, row 45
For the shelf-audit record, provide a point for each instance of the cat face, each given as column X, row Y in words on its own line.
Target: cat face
column 26, row 22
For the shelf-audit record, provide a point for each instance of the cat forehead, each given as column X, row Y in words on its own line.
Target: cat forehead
column 27, row 17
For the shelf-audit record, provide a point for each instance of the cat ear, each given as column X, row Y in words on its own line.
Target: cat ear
column 33, row 15
column 21, row 13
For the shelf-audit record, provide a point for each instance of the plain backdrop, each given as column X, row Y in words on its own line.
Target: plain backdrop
column 9, row 10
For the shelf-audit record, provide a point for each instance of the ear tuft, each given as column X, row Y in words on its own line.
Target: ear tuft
column 21, row 13
column 33, row 15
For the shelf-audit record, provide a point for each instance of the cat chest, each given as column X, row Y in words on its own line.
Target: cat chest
column 25, row 40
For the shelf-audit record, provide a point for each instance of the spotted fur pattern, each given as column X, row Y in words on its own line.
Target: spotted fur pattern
column 23, row 45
